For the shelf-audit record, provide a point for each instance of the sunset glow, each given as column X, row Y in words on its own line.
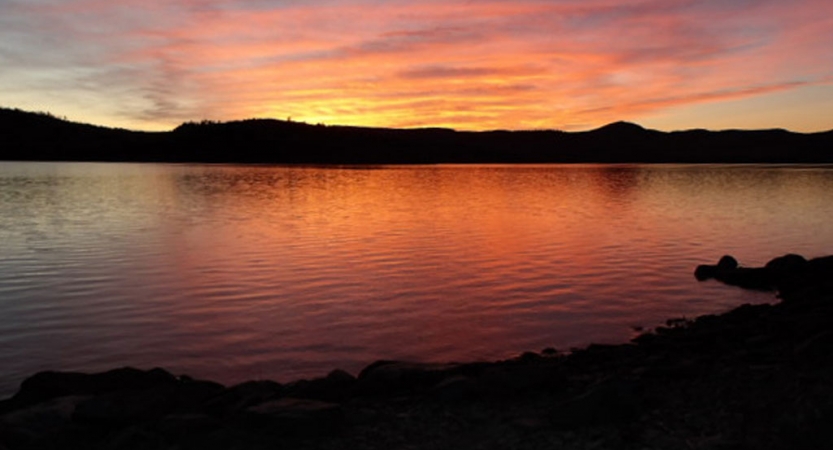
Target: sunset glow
column 564, row 64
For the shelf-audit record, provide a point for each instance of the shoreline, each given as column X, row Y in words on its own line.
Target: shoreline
column 757, row 376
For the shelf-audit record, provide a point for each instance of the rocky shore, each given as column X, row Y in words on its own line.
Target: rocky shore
column 757, row 377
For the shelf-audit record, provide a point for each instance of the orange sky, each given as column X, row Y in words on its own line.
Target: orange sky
column 565, row 64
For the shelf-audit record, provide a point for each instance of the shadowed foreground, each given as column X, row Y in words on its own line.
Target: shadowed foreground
column 757, row 377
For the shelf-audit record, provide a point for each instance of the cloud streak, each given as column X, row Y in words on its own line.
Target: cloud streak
column 566, row 64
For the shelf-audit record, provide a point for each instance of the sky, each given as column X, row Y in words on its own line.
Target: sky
column 468, row 65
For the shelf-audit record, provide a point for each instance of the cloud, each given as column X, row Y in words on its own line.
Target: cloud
column 526, row 63
column 456, row 72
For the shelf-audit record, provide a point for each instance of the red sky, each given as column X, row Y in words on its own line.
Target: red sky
column 565, row 64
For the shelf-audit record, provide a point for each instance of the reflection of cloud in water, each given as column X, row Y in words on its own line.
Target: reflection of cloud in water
column 233, row 272
column 618, row 181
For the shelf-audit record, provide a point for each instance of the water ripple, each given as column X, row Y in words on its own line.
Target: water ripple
column 234, row 273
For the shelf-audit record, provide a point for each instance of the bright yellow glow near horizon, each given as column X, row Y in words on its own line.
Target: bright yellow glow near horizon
column 526, row 64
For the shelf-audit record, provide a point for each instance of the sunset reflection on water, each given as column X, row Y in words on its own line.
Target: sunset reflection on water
column 239, row 272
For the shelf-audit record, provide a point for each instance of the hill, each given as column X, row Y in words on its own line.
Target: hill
column 42, row 137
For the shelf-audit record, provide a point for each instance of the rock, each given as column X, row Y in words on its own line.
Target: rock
column 725, row 265
column 786, row 264
column 793, row 276
column 803, row 280
column 728, row 271
column 294, row 416
column 38, row 421
column 135, row 438
column 506, row 380
column 821, row 268
column 755, row 278
column 816, row 347
column 393, row 377
column 610, row 401
column 175, row 425
column 727, row 262
column 340, row 376
column 126, row 407
column 242, row 396
column 47, row 385
column 192, row 394
column 529, row 357
column 335, row 387
column 705, row 272
column 456, row 388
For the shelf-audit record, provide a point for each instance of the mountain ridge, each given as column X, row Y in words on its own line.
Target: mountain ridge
column 43, row 137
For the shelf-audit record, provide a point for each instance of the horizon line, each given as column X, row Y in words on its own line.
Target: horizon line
column 426, row 128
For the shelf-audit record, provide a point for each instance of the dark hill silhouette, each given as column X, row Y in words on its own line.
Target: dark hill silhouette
column 38, row 136
column 620, row 128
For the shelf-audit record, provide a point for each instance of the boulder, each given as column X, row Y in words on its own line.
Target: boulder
column 191, row 394
column 749, row 278
column 294, row 416
column 184, row 425
column 705, row 272
column 335, row 387
column 38, row 421
column 793, row 276
column 726, row 264
column 508, row 380
column 396, row 377
column 47, row 385
column 609, row 401
column 727, row 271
column 134, row 438
column 126, row 407
column 242, row 396
column 787, row 264
column 456, row 388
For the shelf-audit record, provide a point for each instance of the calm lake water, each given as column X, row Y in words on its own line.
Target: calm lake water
column 240, row 272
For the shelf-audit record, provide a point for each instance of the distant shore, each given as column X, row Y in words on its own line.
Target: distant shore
column 41, row 137
column 757, row 377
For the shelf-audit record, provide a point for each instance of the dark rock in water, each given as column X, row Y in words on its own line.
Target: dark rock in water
column 295, row 416
column 705, row 272
column 727, row 271
column 820, row 265
column 786, row 264
column 727, row 262
column 725, row 265
column 791, row 275
column 754, row 278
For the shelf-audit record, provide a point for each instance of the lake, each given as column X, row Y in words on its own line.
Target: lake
column 244, row 272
